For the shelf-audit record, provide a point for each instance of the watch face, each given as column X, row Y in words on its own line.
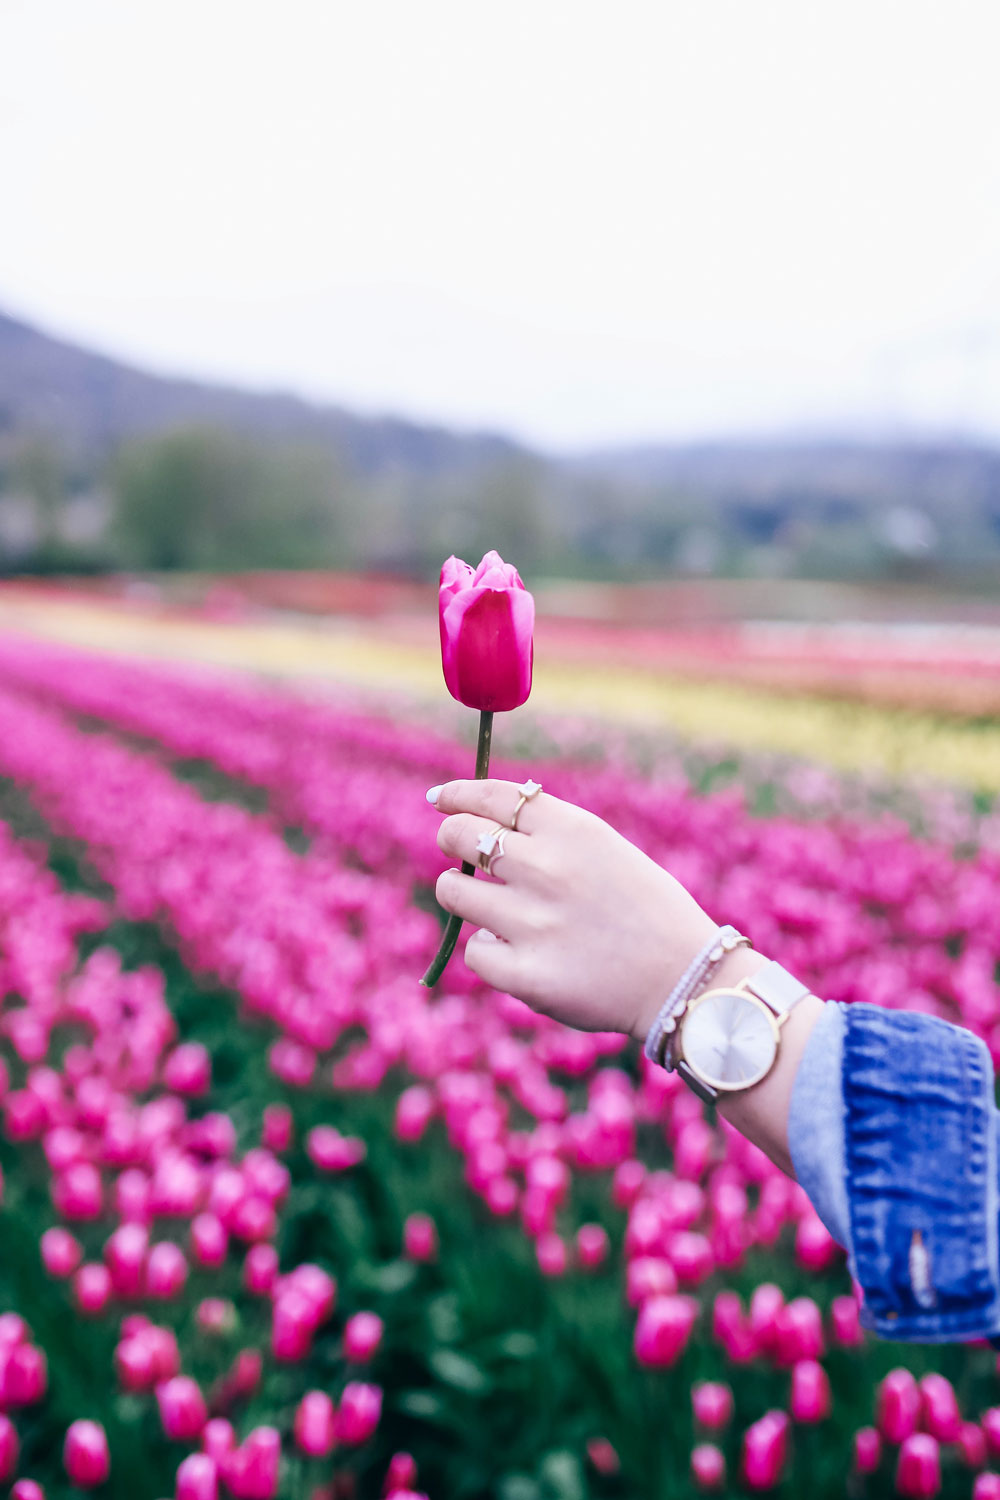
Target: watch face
column 729, row 1038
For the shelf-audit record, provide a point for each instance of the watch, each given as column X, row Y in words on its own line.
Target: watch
column 727, row 1039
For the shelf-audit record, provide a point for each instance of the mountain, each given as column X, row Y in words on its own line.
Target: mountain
column 91, row 403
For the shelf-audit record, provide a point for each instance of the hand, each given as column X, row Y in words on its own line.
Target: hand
column 578, row 923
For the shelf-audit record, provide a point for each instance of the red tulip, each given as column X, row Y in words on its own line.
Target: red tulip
column 918, row 1472
column 85, row 1455
column 487, row 619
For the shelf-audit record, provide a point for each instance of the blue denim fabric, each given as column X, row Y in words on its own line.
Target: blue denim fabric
column 893, row 1132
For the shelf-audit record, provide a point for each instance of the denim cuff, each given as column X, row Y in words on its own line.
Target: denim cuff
column 816, row 1125
column 920, row 1151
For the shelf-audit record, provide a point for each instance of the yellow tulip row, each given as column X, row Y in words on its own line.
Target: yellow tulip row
column 845, row 734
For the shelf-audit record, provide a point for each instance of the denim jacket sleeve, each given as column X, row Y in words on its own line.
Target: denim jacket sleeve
column 893, row 1132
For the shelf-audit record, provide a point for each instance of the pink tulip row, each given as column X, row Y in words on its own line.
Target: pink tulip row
column 860, row 909
column 472, row 1061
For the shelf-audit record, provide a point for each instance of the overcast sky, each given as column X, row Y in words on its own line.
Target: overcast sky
column 581, row 223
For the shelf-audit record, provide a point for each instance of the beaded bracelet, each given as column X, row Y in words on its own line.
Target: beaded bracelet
column 713, row 952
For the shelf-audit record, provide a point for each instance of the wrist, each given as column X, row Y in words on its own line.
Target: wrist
column 739, row 963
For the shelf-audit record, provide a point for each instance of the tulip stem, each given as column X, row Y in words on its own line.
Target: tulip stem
column 454, row 927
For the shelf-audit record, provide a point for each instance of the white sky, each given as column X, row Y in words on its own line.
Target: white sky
column 577, row 221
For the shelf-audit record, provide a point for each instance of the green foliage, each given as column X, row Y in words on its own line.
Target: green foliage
column 201, row 497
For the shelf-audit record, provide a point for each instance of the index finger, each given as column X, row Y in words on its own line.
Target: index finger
column 490, row 799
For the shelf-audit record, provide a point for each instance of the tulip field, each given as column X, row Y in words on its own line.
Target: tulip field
column 277, row 1222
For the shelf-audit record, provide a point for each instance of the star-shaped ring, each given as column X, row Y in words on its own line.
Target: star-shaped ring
column 490, row 847
column 527, row 789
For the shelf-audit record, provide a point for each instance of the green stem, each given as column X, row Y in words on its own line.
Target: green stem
column 454, row 927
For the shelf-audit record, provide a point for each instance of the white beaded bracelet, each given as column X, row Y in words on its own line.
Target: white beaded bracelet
column 713, row 952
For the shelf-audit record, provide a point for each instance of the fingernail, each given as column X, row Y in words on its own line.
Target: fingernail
column 434, row 794
column 485, row 936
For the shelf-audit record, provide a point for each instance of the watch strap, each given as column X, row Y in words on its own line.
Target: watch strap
column 776, row 987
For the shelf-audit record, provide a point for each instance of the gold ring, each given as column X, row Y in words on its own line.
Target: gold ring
column 490, row 847
column 527, row 789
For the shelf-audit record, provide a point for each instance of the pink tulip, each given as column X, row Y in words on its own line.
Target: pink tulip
column 77, row 1192
column 293, row 1324
column 333, row 1152
column 628, row 1179
column 135, row 1362
column 360, row 1409
column 897, row 1405
column 218, row 1438
column 215, row 1315
column 811, row 1400
column 92, row 1288
column 552, row 1255
column 23, row 1376
column 125, row 1257
column 10, row 1448
column 182, row 1408
column 971, row 1442
column 85, row 1455
column 648, row 1276
column 603, row 1455
column 414, row 1109
column 197, row 1478
column 401, row 1473
column 940, row 1415
column 918, row 1471
column 166, row 1270
column 420, row 1241
column 315, row 1424
column 209, row 1241
column 592, row 1246
column 986, row 1487
column 188, row 1070
column 251, row 1471
column 362, row 1336
column 847, row 1330
column 712, row 1404
column 765, row 1451
column 990, row 1422
column 27, row 1489
column 61, row 1252
column 708, row 1467
column 260, row 1269
column 663, row 1328
column 487, row 619
column 278, row 1127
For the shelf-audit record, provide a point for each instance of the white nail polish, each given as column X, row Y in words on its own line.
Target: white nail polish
column 433, row 794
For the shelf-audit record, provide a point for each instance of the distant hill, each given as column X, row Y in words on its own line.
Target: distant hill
column 93, row 403
column 402, row 494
